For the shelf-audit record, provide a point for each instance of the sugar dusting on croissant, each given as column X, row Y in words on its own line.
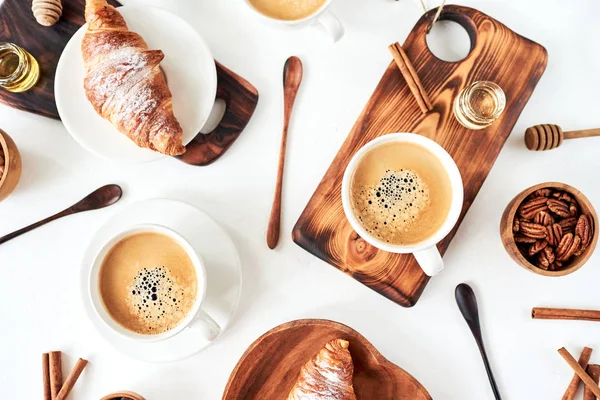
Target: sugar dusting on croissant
column 124, row 83
column 327, row 376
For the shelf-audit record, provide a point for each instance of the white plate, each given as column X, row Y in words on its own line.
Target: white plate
column 188, row 65
column 223, row 273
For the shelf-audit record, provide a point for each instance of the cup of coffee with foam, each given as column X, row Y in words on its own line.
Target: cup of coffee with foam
column 403, row 193
column 147, row 284
column 299, row 13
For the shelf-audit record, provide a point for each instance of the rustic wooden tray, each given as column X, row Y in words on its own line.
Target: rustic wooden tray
column 497, row 54
column 17, row 25
column 271, row 365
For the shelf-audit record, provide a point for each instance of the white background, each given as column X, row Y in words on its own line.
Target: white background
column 39, row 294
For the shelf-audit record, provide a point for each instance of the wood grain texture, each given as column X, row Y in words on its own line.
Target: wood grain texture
column 240, row 99
column 271, row 365
column 508, row 238
column 18, row 25
column 497, row 54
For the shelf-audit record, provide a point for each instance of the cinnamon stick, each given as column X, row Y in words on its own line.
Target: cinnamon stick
column 589, row 382
column 565, row 313
column 46, row 376
column 593, row 370
column 55, row 366
column 411, row 77
column 71, row 379
column 584, row 359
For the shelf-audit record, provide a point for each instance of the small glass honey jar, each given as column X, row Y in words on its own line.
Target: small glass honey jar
column 479, row 105
column 19, row 71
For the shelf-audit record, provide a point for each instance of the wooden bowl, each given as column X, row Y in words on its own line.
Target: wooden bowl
column 125, row 394
column 12, row 167
column 271, row 365
column 506, row 232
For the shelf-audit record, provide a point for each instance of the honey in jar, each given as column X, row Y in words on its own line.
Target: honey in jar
column 19, row 70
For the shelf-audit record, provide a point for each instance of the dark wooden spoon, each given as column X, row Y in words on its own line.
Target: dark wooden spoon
column 100, row 198
column 467, row 303
column 292, row 77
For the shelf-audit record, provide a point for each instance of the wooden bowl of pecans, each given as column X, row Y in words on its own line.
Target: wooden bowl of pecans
column 126, row 395
column 550, row 229
column 10, row 165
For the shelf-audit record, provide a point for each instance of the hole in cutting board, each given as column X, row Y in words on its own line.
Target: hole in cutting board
column 215, row 117
column 449, row 41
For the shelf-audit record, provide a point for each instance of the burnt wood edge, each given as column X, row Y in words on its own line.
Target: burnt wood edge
column 240, row 98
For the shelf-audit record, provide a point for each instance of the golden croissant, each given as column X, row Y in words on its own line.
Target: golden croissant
column 327, row 376
column 124, row 83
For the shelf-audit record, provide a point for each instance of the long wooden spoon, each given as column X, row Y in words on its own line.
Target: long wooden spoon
column 467, row 303
column 292, row 77
column 100, row 198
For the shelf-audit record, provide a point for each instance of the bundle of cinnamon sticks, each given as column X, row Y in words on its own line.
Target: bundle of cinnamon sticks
column 54, row 387
column 584, row 372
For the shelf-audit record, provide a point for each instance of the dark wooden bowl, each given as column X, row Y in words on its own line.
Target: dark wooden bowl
column 271, row 365
column 12, row 168
column 507, row 235
column 123, row 395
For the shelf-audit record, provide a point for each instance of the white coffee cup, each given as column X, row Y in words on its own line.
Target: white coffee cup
column 425, row 252
column 322, row 16
column 196, row 318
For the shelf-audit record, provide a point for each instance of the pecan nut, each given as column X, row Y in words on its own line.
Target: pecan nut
column 543, row 218
column 568, row 224
column 567, row 247
column 542, row 261
column 524, row 239
column 554, row 234
column 530, row 208
column 549, row 254
column 584, row 230
column 573, row 210
column 533, row 230
column 563, row 196
column 516, row 225
column 542, row 193
column 536, row 247
column 559, row 208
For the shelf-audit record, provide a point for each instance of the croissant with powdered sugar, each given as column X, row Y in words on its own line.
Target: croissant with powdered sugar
column 124, row 83
column 327, row 376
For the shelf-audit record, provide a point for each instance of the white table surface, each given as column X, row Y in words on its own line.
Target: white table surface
column 39, row 294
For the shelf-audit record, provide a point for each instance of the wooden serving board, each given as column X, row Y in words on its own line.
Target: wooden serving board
column 17, row 25
column 497, row 54
column 271, row 365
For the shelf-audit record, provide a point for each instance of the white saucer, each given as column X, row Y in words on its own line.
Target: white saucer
column 188, row 65
column 223, row 273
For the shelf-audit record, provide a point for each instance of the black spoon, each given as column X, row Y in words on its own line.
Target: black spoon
column 100, row 198
column 467, row 303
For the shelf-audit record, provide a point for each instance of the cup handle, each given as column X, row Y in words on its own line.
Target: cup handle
column 205, row 323
column 430, row 260
column 332, row 25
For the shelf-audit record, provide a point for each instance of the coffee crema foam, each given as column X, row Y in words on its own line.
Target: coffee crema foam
column 388, row 209
column 156, row 300
column 400, row 193
column 148, row 283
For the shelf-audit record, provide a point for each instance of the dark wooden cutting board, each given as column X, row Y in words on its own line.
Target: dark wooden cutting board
column 497, row 54
column 17, row 25
column 271, row 365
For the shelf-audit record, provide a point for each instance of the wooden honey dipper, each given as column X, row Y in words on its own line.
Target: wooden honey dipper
column 548, row 136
